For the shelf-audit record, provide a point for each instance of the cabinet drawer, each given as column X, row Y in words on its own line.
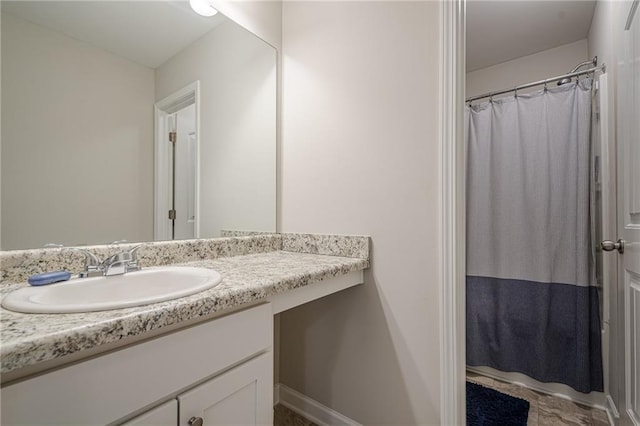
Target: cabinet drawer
column 106, row 388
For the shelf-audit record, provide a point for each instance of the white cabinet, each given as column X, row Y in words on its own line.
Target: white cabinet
column 233, row 350
column 237, row 397
column 164, row 415
column 234, row 398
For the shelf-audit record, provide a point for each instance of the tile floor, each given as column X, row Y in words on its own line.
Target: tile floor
column 282, row 416
column 546, row 410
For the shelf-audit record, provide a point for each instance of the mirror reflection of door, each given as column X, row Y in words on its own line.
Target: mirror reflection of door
column 184, row 160
column 176, row 164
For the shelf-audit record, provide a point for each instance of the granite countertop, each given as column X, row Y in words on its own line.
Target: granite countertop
column 29, row 339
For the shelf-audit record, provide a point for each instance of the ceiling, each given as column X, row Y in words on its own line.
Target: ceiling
column 146, row 32
column 151, row 32
column 499, row 31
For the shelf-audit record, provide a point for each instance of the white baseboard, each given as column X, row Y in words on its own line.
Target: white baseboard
column 309, row 408
column 276, row 394
column 593, row 399
column 612, row 411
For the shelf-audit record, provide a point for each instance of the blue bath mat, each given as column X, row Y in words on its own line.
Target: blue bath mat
column 488, row 407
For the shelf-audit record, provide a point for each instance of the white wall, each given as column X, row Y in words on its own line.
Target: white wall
column 62, row 96
column 360, row 155
column 237, row 74
column 548, row 63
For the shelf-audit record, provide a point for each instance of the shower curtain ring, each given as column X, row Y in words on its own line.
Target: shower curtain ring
column 515, row 92
column 545, row 85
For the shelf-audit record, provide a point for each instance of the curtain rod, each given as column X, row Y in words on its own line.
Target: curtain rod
column 538, row 83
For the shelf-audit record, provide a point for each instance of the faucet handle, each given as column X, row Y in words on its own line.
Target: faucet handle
column 90, row 259
column 92, row 263
column 124, row 256
column 133, row 261
column 134, row 251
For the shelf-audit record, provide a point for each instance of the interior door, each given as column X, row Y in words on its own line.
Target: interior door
column 185, row 168
column 628, row 113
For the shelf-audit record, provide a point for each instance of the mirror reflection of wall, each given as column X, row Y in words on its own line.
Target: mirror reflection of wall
column 79, row 84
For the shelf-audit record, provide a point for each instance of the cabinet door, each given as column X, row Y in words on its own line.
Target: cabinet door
column 163, row 415
column 241, row 396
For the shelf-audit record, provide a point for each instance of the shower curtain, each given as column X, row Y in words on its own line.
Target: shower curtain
column 532, row 304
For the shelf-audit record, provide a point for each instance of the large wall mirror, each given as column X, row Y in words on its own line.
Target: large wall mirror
column 133, row 120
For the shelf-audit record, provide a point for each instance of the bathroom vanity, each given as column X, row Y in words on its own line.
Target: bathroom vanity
column 220, row 369
column 205, row 358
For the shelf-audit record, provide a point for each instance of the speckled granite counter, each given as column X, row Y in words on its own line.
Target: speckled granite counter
column 29, row 339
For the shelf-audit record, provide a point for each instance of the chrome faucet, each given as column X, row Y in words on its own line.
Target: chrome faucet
column 120, row 263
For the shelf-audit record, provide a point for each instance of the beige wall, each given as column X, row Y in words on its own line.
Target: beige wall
column 549, row 63
column 360, row 155
column 77, row 141
column 237, row 77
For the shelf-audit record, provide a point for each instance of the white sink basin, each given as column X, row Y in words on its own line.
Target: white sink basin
column 119, row 291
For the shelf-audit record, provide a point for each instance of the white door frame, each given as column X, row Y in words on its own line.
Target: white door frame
column 452, row 213
column 174, row 102
column 628, row 227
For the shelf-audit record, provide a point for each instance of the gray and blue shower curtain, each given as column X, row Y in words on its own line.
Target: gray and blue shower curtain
column 532, row 303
